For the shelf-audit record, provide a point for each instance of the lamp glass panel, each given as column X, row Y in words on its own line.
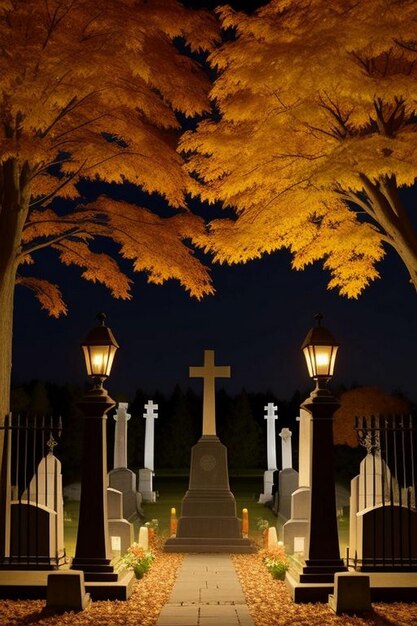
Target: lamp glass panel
column 320, row 360
column 309, row 357
column 87, row 360
column 333, row 359
column 99, row 359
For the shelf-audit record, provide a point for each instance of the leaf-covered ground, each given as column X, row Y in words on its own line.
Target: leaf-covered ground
column 142, row 609
column 268, row 600
column 270, row 603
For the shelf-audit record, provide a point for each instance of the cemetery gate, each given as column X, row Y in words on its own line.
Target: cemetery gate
column 383, row 515
column 31, row 504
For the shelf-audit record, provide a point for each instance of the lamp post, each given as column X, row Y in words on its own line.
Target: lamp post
column 320, row 349
column 92, row 552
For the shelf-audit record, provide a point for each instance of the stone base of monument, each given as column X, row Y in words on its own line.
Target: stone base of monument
column 124, row 480
column 208, row 520
column 267, row 496
column 146, row 485
column 296, row 531
column 288, row 483
column 18, row 584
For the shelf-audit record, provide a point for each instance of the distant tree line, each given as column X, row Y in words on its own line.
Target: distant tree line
column 240, row 424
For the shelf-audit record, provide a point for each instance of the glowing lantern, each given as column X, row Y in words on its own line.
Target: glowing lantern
column 99, row 349
column 320, row 349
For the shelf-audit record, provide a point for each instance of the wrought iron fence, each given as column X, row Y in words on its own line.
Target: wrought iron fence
column 31, row 507
column 384, row 516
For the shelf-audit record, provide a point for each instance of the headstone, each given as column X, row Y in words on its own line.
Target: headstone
column 271, row 417
column 146, row 474
column 286, row 435
column 375, row 482
column 272, row 537
column 66, row 591
column 208, row 520
column 121, row 531
column 146, row 485
column 143, row 540
column 381, row 525
column 288, row 477
column 296, row 531
column 37, row 519
column 33, row 538
column 124, row 480
column 288, row 484
column 120, row 435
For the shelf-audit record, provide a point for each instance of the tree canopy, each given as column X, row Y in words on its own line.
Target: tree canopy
column 92, row 92
column 313, row 137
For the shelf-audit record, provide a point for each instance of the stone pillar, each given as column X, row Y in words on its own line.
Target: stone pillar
column 304, row 448
column 150, row 415
column 286, row 449
column 271, row 416
column 120, row 435
column 296, row 531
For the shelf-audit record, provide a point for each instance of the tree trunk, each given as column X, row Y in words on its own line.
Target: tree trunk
column 394, row 222
column 14, row 210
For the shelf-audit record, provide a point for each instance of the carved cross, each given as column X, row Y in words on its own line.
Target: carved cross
column 209, row 372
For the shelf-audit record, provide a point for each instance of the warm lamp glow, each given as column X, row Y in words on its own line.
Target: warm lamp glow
column 320, row 349
column 99, row 349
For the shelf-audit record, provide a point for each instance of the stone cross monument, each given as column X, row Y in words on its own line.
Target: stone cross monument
column 208, row 520
column 121, row 477
column 146, row 474
column 150, row 415
column 120, row 436
column 271, row 416
column 287, row 478
column 209, row 372
column 286, row 449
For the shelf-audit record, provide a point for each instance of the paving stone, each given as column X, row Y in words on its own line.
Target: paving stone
column 207, row 593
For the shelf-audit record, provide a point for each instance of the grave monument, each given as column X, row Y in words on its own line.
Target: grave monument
column 271, row 416
column 37, row 517
column 121, row 478
column 296, row 531
column 288, row 477
column 208, row 520
column 146, row 474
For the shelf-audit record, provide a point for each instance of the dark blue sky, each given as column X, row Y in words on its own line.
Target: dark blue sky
column 256, row 322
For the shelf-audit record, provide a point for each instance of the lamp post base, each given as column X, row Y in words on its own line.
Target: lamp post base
column 307, row 592
column 321, row 571
column 95, row 570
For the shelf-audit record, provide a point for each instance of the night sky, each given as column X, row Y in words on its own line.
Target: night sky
column 256, row 323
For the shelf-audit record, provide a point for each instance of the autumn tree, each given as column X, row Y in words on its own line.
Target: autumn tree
column 91, row 91
column 364, row 402
column 313, row 137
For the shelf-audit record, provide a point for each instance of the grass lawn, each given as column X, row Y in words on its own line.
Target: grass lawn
column 172, row 488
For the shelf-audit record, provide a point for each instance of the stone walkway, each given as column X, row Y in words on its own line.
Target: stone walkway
column 207, row 593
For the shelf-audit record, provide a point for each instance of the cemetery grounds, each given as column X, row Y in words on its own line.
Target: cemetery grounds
column 268, row 600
